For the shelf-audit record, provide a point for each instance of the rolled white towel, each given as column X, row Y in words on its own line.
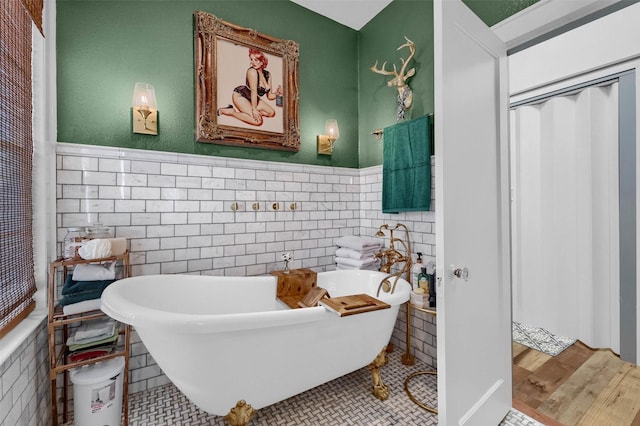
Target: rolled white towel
column 358, row 243
column 95, row 249
column 118, row 246
column 355, row 254
column 94, row 271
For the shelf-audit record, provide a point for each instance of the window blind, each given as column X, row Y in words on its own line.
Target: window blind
column 34, row 7
column 17, row 282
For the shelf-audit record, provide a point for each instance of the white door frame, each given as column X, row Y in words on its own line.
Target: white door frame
column 549, row 17
column 598, row 49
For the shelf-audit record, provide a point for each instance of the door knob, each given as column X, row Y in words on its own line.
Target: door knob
column 462, row 273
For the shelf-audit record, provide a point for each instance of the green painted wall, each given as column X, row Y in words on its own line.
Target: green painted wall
column 379, row 40
column 105, row 46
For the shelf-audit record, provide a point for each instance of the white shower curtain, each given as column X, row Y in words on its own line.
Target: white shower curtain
column 564, row 158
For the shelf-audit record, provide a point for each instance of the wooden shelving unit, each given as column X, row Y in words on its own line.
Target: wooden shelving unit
column 59, row 360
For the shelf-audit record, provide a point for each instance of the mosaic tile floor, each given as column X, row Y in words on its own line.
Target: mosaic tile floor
column 540, row 339
column 341, row 402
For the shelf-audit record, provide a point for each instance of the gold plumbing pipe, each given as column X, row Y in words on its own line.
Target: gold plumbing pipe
column 408, row 261
column 393, row 256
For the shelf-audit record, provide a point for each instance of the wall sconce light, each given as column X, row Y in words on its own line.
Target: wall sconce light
column 331, row 134
column 145, row 109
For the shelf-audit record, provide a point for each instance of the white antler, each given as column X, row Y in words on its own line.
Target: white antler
column 412, row 51
column 400, row 78
column 382, row 70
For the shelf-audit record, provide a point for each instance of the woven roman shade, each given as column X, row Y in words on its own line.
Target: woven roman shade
column 34, row 7
column 17, row 283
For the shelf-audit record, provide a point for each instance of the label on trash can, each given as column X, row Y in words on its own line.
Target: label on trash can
column 103, row 397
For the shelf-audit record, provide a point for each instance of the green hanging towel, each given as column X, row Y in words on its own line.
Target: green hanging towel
column 406, row 166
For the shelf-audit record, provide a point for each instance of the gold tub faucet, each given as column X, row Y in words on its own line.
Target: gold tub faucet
column 392, row 255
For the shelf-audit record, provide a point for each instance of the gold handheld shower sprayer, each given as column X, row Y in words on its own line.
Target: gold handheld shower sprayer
column 392, row 255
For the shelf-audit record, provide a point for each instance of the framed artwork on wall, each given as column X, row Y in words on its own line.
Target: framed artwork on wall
column 246, row 86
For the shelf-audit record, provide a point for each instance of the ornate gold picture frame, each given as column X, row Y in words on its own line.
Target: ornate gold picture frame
column 246, row 86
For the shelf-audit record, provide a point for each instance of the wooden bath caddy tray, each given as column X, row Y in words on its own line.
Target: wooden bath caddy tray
column 313, row 297
column 353, row 304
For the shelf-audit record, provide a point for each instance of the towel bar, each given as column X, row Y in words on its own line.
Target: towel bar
column 379, row 132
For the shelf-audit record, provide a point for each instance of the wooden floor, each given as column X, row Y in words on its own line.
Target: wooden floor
column 580, row 386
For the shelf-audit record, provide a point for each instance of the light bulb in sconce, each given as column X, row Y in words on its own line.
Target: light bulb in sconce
column 145, row 109
column 332, row 130
column 331, row 134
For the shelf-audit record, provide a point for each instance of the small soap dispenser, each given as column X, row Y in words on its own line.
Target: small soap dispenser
column 416, row 269
column 423, row 280
column 431, row 272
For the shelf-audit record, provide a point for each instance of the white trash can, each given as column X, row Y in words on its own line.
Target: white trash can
column 97, row 393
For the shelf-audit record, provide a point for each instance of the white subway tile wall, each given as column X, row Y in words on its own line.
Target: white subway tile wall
column 194, row 214
column 24, row 382
column 422, row 230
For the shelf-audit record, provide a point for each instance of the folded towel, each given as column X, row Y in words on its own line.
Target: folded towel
column 94, row 271
column 97, row 248
column 80, row 297
column 106, row 340
column 84, row 306
column 79, row 291
column 355, row 254
column 93, row 330
column 94, row 352
column 342, row 267
column 406, row 166
column 72, row 286
column 71, row 341
column 358, row 243
column 356, row 263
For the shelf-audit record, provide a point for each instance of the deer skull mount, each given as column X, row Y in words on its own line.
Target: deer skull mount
column 399, row 80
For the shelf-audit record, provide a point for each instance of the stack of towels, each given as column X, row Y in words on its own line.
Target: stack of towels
column 355, row 252
column 83, row 288
column 92, row 339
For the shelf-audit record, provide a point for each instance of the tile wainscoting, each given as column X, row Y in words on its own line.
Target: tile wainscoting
column 176, row 212
column 24, row 382
column 422, row 231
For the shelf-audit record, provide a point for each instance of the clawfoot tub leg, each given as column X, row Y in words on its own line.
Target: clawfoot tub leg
column 380, row 390
column 240, row 415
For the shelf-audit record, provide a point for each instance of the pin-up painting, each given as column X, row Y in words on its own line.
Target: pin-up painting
column 246, row 86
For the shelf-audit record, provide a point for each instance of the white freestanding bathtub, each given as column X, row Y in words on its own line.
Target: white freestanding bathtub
column 225, row 339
